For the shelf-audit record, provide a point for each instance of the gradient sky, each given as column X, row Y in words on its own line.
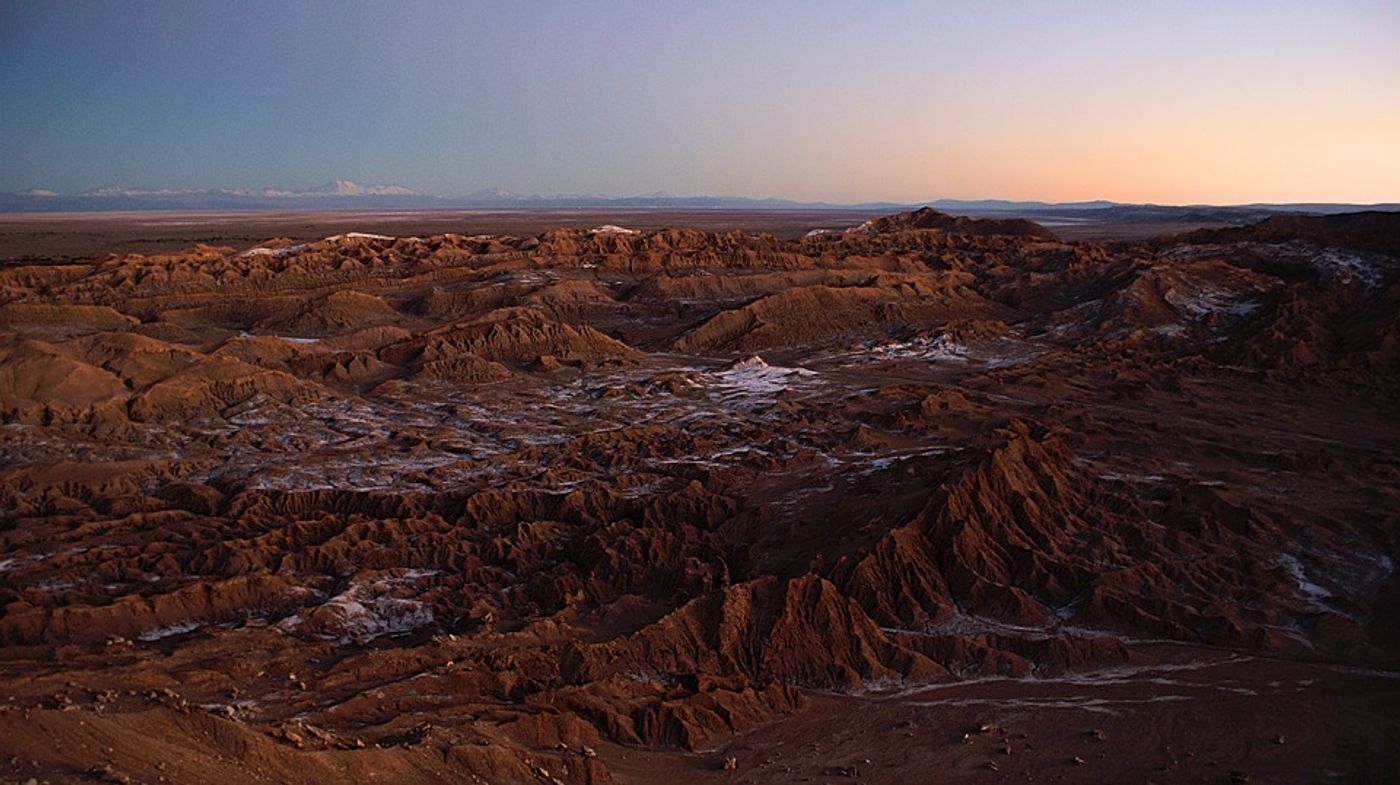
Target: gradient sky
column 1170, row 102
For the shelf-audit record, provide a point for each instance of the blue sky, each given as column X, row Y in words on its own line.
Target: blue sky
column 1170, row 102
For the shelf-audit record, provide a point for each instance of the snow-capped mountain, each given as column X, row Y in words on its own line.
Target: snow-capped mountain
column 493, row 194
column 351, row 188
column 335, row 195
column 334, row 188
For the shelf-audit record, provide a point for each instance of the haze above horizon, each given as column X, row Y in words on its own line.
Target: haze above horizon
column 1198, row 102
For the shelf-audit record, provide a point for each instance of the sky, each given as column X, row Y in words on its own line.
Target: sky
column 1165, row 101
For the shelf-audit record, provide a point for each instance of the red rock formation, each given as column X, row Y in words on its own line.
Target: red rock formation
column 463, row 500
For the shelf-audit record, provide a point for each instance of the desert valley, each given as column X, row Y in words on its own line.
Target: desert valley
column 914, row 498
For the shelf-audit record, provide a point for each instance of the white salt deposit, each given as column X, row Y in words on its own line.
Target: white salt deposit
column 1313, row 594
column 755, row 377
column 939, row 348
column 366, row 610
column 286, row 250
column 357, row 236
column 1210, row 301
column 179, row 628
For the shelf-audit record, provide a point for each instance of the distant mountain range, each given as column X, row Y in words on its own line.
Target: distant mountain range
column 42, row 199
column 348, row 195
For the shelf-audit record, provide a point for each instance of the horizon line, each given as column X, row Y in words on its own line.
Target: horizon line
column 507, row 196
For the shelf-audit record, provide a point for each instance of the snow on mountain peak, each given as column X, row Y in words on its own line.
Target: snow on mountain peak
column 352, row 188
